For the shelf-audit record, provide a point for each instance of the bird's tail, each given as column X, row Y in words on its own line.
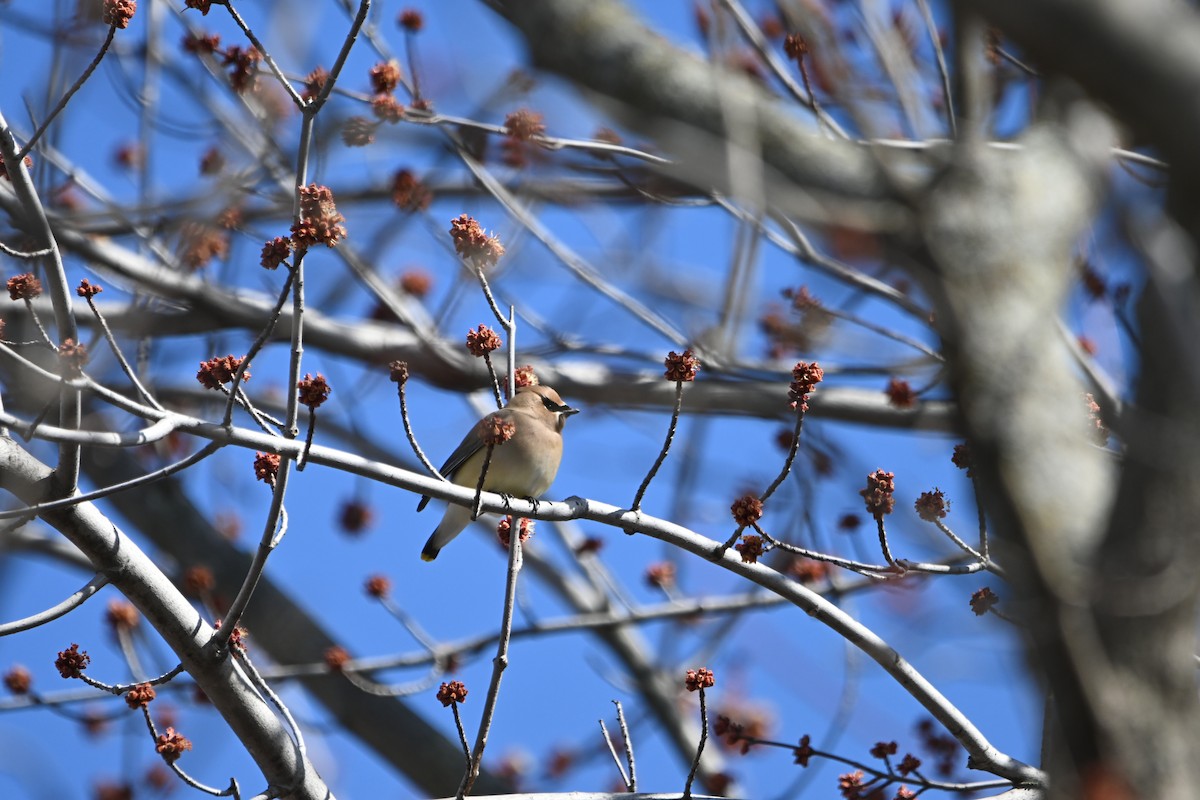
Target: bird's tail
column 452, row 524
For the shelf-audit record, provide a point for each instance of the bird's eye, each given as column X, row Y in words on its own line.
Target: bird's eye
column 550, row 404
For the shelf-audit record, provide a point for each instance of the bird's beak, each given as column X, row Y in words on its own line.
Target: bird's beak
column 567, row 411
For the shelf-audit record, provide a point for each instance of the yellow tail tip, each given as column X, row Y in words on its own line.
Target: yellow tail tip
column 428, row 556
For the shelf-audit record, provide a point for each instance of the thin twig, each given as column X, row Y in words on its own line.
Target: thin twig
column 662, row 454
column 553, row 143
column 802, row 248
column 183, row 776
column 122, row 688
column 412, row 439
column 983, row 531
column 410, row 48
column 728, row 543
column 875, row 773
column 569, row 258
column 936, row 41
column 75, row 87
column 149, row 477
column 26, row 255
column 896, row 63
column 969, row 568
column 628, row 746
column 462, row 733
column 263, row 420
column 886, row 332
column 616, row 759
column 233, row 790
column 1016, row 62
column 883, row 542
column 418, row 686
column 487, row 359
column 265, row 689
column 869, row 570
column 272, row 535
column 29, row 432
column 793, row 448
column 125, row 643
column 1005, row 617
column 510, row 385
column 315, row 105
column 302, row 459
column 38, row 322
column 112, row 344
column 98, row 582
column 487, row 293
column 283, row 527
column 758, row 40
column 298, row 307
column 687, row 787
column 275, row 70
column 477, row 505
column 260, row 342
column 499, row 663
column 410, row 624
column 966, row 548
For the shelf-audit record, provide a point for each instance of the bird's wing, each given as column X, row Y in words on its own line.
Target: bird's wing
column 469, row 446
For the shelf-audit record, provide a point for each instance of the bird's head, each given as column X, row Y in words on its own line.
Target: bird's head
column 545, row 399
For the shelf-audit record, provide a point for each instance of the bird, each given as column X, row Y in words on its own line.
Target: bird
column 523, row 466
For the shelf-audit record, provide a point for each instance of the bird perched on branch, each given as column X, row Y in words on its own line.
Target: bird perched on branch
column 526, row 451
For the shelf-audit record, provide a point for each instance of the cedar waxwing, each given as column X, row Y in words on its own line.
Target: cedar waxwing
column 523, row 466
